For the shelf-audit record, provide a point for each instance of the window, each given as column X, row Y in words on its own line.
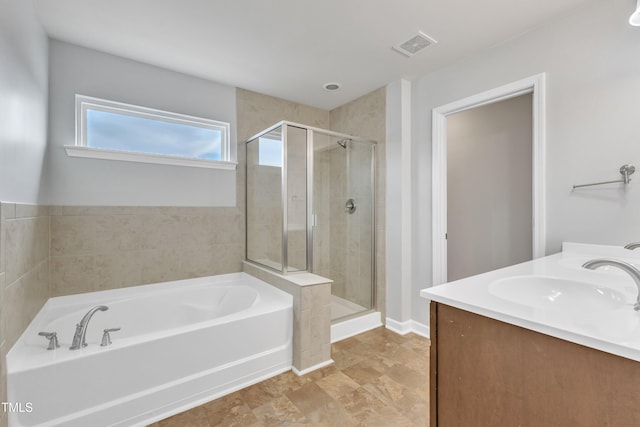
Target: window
column 112, row 130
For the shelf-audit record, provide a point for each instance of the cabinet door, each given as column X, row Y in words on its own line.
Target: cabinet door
column 490, row 373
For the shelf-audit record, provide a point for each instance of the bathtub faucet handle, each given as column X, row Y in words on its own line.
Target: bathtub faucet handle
column 53, row 339
column 106, row 338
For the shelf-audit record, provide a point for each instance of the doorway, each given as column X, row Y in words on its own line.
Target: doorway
column 488, row 180
column 489, row 200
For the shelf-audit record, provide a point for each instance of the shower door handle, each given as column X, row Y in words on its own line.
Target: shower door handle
column 350, row 206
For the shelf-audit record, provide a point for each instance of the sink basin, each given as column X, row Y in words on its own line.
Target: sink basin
column 555, row 294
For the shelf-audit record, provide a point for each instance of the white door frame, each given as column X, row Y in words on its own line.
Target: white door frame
column 534, row 85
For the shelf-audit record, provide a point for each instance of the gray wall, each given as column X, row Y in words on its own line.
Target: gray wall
column 24, row 230
column 23, row 102
column 593, row 81
column 489, row 187
column 80, row 181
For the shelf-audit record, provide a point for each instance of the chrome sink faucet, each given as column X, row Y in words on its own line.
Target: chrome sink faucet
column 632, row 246
column 79, row 340
column 624, row 266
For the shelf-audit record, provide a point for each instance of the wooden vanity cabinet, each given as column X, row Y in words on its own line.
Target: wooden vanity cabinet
column 485, row 372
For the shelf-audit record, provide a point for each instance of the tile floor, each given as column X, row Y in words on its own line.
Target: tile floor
column 379, row 378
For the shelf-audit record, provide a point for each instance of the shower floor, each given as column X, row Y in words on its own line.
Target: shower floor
column 341, row 307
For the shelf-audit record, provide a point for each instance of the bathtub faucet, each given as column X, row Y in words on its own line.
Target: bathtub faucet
column 624, row 266
column 79, row 340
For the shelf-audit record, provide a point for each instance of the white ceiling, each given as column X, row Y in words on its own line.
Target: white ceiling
column 290, row 48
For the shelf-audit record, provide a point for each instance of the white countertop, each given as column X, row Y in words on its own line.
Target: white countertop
column 615, row 331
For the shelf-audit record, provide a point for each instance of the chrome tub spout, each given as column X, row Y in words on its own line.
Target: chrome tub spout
column 79, row 340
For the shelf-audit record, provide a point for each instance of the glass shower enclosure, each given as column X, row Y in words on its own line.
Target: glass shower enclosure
column 310, row 208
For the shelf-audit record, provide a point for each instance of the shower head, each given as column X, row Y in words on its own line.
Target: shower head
column 343, row 142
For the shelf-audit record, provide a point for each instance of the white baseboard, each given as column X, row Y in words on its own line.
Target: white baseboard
column 311, row 368
column 355, row 326
column 403, row 328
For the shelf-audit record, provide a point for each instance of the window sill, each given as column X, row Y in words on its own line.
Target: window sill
column 159, row 159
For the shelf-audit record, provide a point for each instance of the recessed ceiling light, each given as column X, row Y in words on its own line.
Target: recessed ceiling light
column 331, row 87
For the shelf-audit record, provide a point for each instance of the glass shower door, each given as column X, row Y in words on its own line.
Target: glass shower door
column 277, row 199
column 343, row 232
column 265, row 157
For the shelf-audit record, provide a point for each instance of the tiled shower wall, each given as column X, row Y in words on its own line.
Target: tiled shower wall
column 256, row 112
column 366, row 118
column 350, row 255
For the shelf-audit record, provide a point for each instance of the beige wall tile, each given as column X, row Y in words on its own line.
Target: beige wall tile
column 366, row 117
column 14, row 249
column 36, row 291
column 75, row 235
column 200, row 261
column 311, row 316
column 24, row 288
column 3, row 332
column 14, row 311
column 229, row 257
column 160, row 265
column 304, row 360
column 72, row 274
column 96, row 210
column 210, row 260
column 42, row 239
column 228, row 227
column 2, row 245
column 31, row 211
column 109, row 247
column 117, row 270
column 305, row 332
column 8, row 210
column 26, row 244
column 197, row 231
column 160, row 231
column 3, row 381
column 94, row 234
column 257, row 112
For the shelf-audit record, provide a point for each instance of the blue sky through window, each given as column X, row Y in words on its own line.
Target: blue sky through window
column 122, row 132
column 269, row 152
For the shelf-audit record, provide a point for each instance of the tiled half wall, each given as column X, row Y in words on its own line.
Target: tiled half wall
column 98, row 248
column 311, row 315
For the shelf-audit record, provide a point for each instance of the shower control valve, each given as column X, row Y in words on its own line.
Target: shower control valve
column 106, row 338
column 350, row 206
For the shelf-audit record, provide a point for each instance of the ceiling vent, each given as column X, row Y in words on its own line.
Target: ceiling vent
column 415, row 44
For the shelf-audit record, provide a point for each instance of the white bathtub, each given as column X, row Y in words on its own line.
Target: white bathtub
column 182, row 343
